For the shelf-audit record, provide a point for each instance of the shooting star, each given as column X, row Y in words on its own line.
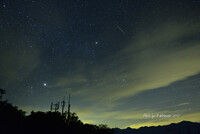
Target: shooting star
column 120, row 29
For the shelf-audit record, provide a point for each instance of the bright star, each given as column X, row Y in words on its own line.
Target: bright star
column 45, row 84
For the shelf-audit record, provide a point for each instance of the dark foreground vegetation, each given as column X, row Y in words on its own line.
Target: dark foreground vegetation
column 14, row 121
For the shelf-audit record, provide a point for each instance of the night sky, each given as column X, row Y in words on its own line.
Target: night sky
column 119, row 59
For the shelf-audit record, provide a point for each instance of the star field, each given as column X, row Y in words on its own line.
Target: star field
column 119, row 59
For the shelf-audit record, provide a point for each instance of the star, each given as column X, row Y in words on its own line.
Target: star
column 45, row 84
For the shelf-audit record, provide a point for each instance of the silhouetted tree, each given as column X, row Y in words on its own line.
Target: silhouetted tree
column 2, row 92
column 74, row 119
column 13, row 120
column 103, row 126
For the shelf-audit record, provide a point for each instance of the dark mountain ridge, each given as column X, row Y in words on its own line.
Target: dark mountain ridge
column 184, row 127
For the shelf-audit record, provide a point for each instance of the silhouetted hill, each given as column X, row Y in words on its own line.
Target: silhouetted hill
column 184, row 127
column 11, row 118
column 14, row 121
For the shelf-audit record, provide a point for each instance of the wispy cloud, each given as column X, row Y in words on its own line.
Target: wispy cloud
column 154, row 59
column 182, row 104
column 18, row 60
column 70, row 80
column 167, row 121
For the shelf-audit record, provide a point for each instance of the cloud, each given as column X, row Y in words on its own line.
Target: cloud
column 163, row 70
column 167, row 121
column 159, row 55
column 70, row 81
column 154, row 59
column 135, row 118
column 17, row 59
column 182, row 104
